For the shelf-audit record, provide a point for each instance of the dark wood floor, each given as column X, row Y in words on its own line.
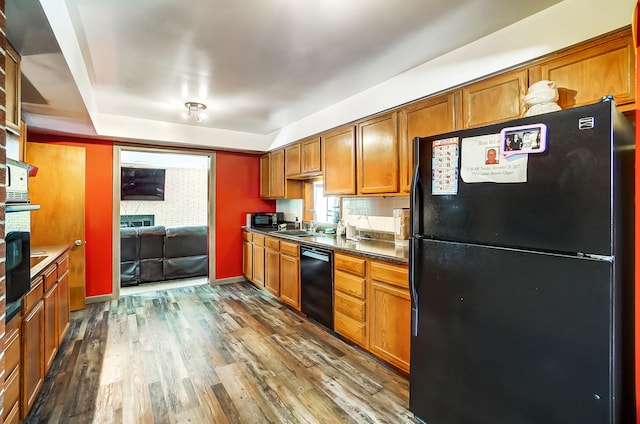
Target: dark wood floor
column 228, row 353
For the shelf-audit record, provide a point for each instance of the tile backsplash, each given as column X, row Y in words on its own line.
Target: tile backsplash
column 366, row 213
column 372, row 213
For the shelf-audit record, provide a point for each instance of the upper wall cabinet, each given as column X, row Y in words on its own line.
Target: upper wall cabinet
column 339, row 158
column 273, row 183
column 587, row 73
column 494, row 99
column 303, row 159
column 433, row 116
column 12, row 88
column 310, row 153
column 378, row 155
column 265, row 175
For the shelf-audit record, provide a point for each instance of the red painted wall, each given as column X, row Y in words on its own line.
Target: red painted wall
column 98, row 207
column 237, row 193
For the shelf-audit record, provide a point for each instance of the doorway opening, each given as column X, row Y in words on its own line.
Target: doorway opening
column 163, row 219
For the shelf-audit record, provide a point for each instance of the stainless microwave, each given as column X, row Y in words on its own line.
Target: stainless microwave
column 17, row 181
column 266, row 219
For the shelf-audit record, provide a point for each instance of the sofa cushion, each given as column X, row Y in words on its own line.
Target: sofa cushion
column 151, row 241
column 185, row 241
column 129, row 244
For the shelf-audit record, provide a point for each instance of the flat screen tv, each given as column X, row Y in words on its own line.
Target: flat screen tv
column 142, row 184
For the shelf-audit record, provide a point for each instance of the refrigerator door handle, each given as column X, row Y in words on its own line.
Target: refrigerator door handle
column 413, row 290
column 416, row 200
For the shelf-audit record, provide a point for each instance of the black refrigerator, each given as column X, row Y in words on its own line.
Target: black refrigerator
column 521, row 271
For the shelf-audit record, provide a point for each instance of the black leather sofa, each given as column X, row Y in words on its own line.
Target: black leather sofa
column 156, row 253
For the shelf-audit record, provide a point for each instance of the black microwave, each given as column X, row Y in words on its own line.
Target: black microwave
column 266, row 219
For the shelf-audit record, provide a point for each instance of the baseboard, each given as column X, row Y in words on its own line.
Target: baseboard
column 230, row 280
column 98, row 299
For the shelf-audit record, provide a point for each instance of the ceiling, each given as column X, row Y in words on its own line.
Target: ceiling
column 259, row 65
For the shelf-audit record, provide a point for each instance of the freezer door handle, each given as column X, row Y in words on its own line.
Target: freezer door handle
column 416, row 194
column 413, row 290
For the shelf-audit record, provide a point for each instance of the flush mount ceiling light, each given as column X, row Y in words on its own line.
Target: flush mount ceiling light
column 196, row 110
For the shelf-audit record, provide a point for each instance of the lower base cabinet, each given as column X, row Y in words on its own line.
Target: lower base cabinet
column 12, row 349
column 32, row 338
column 290, row 274
column 32, row 356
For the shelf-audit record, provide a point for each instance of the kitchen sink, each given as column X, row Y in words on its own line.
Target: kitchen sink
column 298, row 233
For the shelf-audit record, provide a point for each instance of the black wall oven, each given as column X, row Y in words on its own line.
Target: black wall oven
column 18, row 266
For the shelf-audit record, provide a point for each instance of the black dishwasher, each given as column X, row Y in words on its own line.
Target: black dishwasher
column 316, row 284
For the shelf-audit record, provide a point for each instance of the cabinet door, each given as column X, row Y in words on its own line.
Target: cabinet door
column 33, row 356
column 310, row 156
column 390, row 323
column 63, row 305
column 277, row 174
column 258, row 265
column 265, row 176
column 430, row 117
column 378, row 155
column 12, row 82
column 247, row 260
column 494, row 99
column 339, row 158
column 272, row 272
column 290, row 281
column 586, row 75
column 292, row 160
column 50, row 326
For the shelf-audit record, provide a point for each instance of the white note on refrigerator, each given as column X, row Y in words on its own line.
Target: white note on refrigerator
column 481, row 162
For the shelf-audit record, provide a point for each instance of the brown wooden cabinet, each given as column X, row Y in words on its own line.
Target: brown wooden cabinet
column 311, row 157
column 273, row 181
column 12, row 89
column 303, row 159
column 339, row 159
column 247, row 255
column 377, row 156
column 258, row 260
column 290, row 274
column 265, row 175
column 292, row 163
column 436, row 115
column 277, row 174
column 350, row 319
column 272, row 266
column 585, row 74
column 33, row 352
column 495, row 99
column 11, row 346
column 389, row 313
column 50, row 300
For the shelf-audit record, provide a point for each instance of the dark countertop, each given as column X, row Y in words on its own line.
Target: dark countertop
column 370, row 248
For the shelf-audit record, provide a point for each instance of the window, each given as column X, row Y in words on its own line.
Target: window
column 326, row 208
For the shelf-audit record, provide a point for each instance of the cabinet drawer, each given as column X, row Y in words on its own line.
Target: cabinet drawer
column 290, row 249
column 272, row 243
column 350, row 264
column 33, row 296
column 350, row 306
column 63, row 266
column 12, row 351
column 246, row 236
column 258, row 240
column 393, row 274
column 350, row 284
column 50, row 277
column 350, row 328
column 11, row 392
